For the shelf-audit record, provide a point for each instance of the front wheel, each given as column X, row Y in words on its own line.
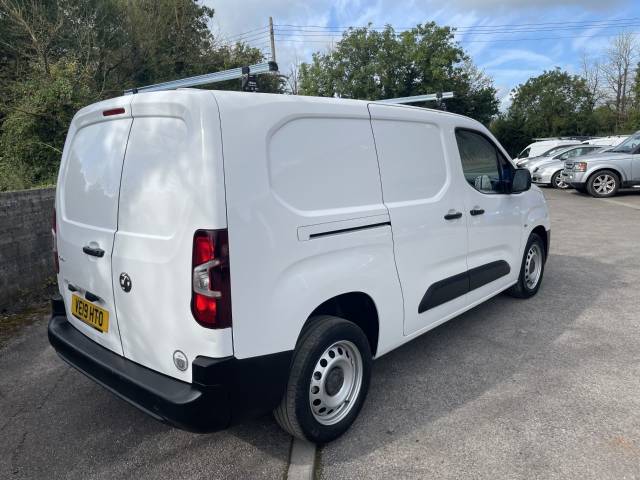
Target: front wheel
column 328, row 382
column 602, row 184
column 531, row 270
column 557, row 182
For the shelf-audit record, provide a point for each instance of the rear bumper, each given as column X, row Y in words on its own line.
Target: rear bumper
column 223, row 390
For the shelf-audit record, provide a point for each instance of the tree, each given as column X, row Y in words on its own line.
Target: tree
column 552, row 104
column 57, row 56
column 371, row 64
column 617, row 72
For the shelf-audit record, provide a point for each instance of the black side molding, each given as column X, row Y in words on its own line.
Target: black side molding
column 457, row 285
column 350, row 229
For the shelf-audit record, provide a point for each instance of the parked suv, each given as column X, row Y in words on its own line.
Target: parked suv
column 602, row 175
column 548, row 171
column 225, row 254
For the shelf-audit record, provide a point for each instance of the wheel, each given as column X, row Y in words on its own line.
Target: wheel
column 604, row 183
column 531, row 270
column 328, row 382
column 557, row 182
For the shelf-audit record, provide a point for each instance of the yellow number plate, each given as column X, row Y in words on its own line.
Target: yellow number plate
column 89, row 313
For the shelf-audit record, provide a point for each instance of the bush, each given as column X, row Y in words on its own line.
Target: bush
column 34, row 129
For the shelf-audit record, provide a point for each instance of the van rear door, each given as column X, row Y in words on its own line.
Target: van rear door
column 172, row 185
column 87, row 214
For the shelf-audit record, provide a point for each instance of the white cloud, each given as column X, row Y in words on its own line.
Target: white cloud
column 522, row 57
column 507, row 58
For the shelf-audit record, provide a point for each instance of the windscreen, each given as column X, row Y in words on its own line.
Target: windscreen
column 629, row 145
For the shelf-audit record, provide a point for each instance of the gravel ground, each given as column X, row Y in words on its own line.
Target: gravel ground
column 541, row 388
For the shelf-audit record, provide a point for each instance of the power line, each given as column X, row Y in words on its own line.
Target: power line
column 332, row 38
column 485, row 32
column 586, row 23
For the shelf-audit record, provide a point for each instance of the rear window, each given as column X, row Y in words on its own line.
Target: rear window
column 92, row 173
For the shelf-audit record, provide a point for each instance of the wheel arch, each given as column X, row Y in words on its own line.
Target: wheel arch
column 602, row 168
column 355, row 306
column 541, row 231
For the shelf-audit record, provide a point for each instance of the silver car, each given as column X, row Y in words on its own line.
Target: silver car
column 546, row 155
column 603, row 174
column 548, row 171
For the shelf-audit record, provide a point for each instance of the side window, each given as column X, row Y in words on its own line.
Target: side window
column 525, row 153
column 483, row 165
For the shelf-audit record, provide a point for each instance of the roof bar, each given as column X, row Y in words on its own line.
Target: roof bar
column 208, row 78
column 418, row 98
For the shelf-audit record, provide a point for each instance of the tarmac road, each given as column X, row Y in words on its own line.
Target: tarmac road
column 543, row 388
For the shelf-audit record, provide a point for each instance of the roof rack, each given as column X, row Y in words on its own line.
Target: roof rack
column 207, row 78
column 418, row 98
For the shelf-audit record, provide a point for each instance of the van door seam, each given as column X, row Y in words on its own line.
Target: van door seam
column 113, row 245
column 393, row 242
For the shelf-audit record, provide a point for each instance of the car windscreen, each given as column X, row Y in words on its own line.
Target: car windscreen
column 555, row 150
column 629, row 145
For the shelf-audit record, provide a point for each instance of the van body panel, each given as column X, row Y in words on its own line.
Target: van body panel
column 87, row 210
column 420, row 187
column 172, row 185
column 313, row 162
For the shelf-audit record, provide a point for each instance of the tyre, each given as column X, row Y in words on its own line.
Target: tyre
column 602, row 184
column 329, row 380
column 557, row 182
column 531, row 270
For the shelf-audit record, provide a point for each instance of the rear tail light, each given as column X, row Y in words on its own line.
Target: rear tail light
column 54, row 238
column 211, row 282
column 580, row 166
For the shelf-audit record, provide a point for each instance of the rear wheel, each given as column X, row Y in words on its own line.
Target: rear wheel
column 531, row 270
column 557, row 182
column 328, row 382
column 602, row 184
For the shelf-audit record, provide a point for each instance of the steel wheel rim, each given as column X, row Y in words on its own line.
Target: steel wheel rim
column 533, row 266
column 335, row 382
column 604, row 184
column 559, row 182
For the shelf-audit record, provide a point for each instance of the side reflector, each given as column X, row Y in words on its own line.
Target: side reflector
column 54, row 239
column 113, row 111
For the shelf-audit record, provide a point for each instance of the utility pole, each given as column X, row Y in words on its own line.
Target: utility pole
column 273, row 40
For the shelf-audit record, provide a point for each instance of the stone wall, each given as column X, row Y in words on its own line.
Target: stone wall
column 26, row 261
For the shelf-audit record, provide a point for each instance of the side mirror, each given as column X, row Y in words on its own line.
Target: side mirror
column 521, row 180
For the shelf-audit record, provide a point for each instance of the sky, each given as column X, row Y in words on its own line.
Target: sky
column 511, row 40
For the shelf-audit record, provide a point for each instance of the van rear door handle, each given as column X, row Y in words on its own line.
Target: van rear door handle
column 452, row 215
column 477, row 211
column 93, row 251
column 92, row 297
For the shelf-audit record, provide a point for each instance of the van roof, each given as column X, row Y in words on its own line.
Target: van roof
column 313, row 99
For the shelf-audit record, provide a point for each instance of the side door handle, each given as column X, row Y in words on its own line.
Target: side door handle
column 453, row 215
column 477, row 211
column 93, row 251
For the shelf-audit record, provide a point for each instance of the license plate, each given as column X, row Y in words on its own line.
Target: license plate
column 89, row 313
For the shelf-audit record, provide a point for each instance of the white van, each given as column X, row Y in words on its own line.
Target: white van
column 225, row 254
column 536, row 149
